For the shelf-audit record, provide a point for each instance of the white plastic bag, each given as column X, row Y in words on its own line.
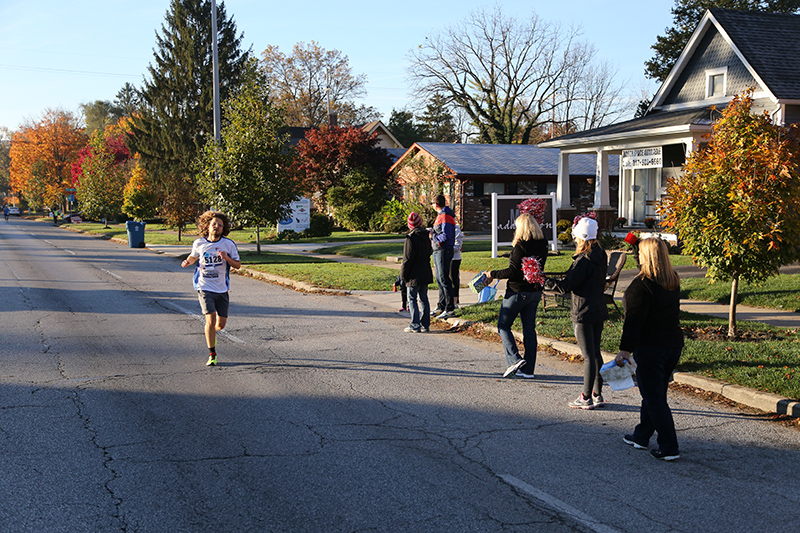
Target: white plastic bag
column 618, row 377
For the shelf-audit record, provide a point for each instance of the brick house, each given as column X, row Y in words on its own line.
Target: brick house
column 468, row 174
column 729, row 52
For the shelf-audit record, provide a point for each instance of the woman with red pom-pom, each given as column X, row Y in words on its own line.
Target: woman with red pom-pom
column 525, row 275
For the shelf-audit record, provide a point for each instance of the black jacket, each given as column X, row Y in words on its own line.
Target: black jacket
column 416, row 268
column 652, row 316
column 514, row 274
column 586, row 280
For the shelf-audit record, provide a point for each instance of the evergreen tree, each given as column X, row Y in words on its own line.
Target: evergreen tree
column 176, row 118
column 404, row 129
column 127, row 101
column 437, row 121
column 686, row 15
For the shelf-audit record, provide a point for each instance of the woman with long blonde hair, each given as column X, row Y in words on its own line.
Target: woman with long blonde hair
column 525, row 275
column 652, row 336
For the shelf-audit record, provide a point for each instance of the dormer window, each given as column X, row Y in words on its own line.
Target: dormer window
column 715, row 82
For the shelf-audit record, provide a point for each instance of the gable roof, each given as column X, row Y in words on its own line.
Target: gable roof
column 506, row 159
column 766, row 43
column 658, row 122
column 769, row 42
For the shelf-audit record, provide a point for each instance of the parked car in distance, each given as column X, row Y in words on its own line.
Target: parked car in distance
column 13, row 211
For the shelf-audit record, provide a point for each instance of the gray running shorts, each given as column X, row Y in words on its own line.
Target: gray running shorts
column 214, row 302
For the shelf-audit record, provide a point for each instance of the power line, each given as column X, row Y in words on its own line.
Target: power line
column 68, row 71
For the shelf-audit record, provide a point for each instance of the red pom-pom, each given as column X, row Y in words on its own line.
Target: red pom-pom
column 532, row 271
column 535, row 207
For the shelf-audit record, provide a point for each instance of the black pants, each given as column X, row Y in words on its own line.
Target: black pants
column 455, row 277
column 654, row 367
column 588, row 336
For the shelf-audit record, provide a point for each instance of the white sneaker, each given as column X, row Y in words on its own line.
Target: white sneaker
column 513, row 368
column 446, row 314
column 521, row 374
column 409, row 329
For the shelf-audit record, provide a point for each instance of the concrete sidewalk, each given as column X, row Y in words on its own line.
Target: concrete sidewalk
column 763, row 401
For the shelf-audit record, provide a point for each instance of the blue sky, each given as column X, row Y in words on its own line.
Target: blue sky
column 61, row 54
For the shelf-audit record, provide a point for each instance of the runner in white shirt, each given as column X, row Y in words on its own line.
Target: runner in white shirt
column 217, row 254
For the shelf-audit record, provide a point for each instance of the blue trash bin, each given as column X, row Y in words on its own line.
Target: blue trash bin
column 135, row 234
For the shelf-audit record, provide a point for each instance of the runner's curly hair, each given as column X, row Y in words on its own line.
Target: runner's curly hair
column 205, row 219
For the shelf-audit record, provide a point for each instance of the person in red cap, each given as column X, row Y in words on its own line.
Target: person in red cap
column 416, row 273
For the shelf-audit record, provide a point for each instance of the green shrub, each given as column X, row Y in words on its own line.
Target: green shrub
column 361, row 194
column 288, row 235
column 319, row 226
column 394, row 215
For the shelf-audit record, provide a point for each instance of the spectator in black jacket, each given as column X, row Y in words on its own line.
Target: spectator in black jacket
column 525, row 275
column 416, row 273
column 652, row 336
column 586, row 280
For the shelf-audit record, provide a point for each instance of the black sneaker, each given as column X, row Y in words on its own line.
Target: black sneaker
column 629, row 440
column 658, row 454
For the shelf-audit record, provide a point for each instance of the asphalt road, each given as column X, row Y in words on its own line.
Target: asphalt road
column 324, row 416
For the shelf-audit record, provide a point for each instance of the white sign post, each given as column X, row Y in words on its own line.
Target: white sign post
column 505, row 212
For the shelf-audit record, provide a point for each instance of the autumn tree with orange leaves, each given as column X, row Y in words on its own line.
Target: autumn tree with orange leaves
column 42, row 154
column 737, row 207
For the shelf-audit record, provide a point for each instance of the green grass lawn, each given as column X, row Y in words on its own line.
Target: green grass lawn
column 322, row 272
column 770, row 364
column 778, row 292
column 162, row 234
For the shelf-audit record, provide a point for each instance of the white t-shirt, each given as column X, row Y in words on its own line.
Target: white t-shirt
column 212, row 273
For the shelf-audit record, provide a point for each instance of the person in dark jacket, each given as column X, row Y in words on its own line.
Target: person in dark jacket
column 652, row 336
column 586, row 280
column 525, row 275
column 417, row 275
column 443, row 238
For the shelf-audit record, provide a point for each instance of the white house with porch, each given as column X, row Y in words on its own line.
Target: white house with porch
column 729, row 52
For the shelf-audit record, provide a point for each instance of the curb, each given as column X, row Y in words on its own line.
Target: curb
column 763, row 401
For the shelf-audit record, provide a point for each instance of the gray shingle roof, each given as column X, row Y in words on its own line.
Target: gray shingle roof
column 770, row 42
column 512, row 160
column 653, row 121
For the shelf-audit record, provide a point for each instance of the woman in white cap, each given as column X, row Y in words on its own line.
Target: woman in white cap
column 586, row 280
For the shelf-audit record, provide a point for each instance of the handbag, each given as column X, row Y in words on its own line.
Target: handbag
column 488, row 293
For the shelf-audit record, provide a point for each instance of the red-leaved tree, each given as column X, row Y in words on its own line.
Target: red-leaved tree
column 328, row 154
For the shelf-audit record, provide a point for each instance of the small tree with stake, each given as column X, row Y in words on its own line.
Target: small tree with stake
column 248, row 174
column 737, row 206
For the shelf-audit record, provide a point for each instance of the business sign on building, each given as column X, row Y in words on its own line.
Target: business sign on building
column 299, row 217
column 642, row 158
column 505, row 212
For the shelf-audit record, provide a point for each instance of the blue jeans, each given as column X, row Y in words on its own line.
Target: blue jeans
column 654, row 366
column 588, row 336
column 441, row 260
column 524, row 304
column 423, row 319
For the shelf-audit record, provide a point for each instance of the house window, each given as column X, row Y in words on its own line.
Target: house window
column 489, row 188
column 485, row 188
column 716, row 82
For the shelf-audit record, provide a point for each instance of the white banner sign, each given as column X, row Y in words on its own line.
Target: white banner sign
column 642, row 158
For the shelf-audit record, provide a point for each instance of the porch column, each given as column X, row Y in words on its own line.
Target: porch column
column 602, row 196
column 562, row 186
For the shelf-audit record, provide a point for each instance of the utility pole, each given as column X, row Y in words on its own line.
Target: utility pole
column 215, row 60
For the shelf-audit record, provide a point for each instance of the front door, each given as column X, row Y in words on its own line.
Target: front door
column 644, row 194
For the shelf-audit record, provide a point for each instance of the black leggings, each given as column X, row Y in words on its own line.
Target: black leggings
column 588, row 337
